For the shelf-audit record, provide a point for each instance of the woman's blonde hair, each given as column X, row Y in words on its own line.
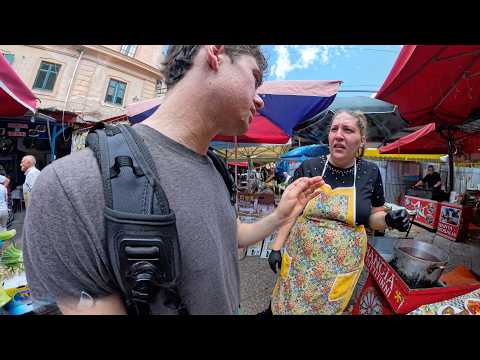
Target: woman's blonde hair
column 361, row 124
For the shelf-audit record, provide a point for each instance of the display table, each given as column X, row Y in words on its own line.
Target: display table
column 427, row 211
column 251, row 208
column 385, row 292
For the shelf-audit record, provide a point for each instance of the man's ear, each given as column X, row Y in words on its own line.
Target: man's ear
column 213, row 53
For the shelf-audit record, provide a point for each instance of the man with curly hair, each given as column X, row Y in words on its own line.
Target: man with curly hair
column 211, row 90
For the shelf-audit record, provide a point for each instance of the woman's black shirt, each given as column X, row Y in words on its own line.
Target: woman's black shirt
column 369, row 187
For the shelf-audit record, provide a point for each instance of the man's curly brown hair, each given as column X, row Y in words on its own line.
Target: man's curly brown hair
column 180, row 58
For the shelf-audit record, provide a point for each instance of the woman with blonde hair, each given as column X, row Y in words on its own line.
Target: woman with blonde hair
column 326, row 245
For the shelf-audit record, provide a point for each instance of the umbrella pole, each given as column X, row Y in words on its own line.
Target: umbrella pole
column 451, row 144
column 236, row 160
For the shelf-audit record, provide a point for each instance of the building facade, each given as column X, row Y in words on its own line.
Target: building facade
column 92, row 82
column 74, row 83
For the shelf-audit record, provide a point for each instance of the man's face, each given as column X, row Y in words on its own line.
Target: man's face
column 25, row 164
column 236, row 98
column 430, row 170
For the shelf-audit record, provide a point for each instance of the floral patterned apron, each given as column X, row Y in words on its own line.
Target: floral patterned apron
column 324, row 255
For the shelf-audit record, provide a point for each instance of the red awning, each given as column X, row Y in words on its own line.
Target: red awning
column 16, row 99
column 428, row 140
column 434, row 84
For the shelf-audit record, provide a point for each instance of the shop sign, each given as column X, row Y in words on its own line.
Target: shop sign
column 17, row 126
column 427, row 210
column 22, row 130
column 449, row 223
column 16, row 133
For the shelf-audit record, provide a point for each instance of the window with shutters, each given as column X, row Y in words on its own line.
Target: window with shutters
column 115, row 92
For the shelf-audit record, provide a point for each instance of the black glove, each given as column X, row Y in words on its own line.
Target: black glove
column 274, row 259
column 398, row 219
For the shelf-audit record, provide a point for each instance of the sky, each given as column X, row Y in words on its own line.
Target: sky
column 360, row 67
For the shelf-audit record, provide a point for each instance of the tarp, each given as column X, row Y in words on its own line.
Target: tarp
column 16, row 99
column 434, row 83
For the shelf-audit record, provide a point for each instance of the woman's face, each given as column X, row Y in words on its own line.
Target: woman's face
column 344, row 138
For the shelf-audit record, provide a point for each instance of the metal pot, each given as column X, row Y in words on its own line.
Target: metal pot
column 419, row 261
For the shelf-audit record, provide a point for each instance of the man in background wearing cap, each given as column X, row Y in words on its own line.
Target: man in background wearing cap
column 27, row 165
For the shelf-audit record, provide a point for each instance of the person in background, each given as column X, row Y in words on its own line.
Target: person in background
column 325, row 246
column 432, row 179
column 4, row 181
column 27, row 165
column 433, row 182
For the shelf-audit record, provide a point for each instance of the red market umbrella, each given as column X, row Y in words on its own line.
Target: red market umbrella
column 436, row 84
column 16, row 99
column 427, row 140
column 287, row 104
column 260, row 131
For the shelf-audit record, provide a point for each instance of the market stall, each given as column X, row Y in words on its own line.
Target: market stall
column 15, row 296
column 449, row 216
column 437, row 86
column 389, row 290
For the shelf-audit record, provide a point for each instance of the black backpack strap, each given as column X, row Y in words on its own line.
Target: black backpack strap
column 140, row 226
column 227, row 177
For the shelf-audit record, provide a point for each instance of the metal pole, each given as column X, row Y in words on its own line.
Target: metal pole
column 451, row 144
column 236, row 149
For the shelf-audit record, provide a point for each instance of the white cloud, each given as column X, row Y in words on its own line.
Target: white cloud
column 304, row 55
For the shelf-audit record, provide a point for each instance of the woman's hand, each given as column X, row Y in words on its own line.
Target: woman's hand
column 398, row 219
column 296, row 196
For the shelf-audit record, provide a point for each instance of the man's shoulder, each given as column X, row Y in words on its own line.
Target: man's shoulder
column 77, row 168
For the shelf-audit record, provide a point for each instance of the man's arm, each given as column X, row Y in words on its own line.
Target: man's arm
column 294, row 199
column 63, row 254
column 419, row 183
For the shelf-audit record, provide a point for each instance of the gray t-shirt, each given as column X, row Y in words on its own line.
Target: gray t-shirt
column 64, row 230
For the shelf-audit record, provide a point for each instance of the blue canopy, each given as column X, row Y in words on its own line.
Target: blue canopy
column 305, row 152
column 292, row 159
